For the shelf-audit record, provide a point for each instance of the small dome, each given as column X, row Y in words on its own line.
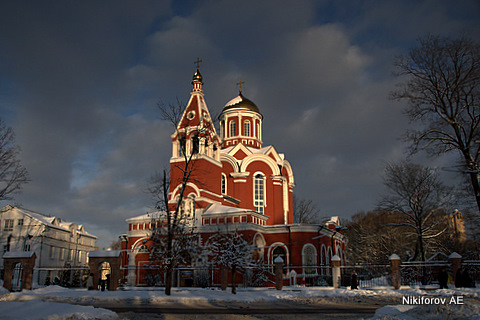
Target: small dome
column 197, row 77
column 240, row 102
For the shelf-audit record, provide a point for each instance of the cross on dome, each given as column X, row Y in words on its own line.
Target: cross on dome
column 239, row 84
column 198, row 62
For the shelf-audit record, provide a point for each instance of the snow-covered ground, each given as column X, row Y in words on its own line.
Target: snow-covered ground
column 56, row 303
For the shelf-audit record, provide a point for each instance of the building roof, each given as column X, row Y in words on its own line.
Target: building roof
column 216, row 208
column 18, row 254
column 148, row 216
column 50, row 221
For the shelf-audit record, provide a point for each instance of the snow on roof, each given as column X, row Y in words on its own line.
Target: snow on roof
column 235, row 100
column 104, row 253
column 335, row 220
column 18, row 254
column 217, row 208
column 148, row 216
column 52, row 222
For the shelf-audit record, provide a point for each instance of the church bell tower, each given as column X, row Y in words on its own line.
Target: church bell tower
column 196, row 142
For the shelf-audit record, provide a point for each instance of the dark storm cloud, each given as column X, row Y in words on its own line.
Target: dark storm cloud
column 80, row 82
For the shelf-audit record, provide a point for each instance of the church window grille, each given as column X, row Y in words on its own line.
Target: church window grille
column 224, row 184
column 246, row 128
column 259, row 193
column 233, row 128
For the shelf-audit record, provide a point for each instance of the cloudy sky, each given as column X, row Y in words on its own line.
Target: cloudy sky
column 80, row 82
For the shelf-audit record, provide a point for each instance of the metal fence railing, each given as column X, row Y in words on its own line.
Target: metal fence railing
column 368, row 275
column 422, row 273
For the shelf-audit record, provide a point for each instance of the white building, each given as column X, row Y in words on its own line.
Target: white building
column 56, row 243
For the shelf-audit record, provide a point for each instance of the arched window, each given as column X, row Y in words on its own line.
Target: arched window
column 224, row 183
column 195, row 144
column 233, row 128
column 259, row 193
column 309, row 258
column 259, row 251
column 279, row 252
column 191, row 206
column 246, row 128
column 181, row 146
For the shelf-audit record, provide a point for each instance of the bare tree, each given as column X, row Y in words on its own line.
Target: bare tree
column 369, row 241
column 12, row 174
column 420, row 199
column 442, row 86
column 173, row 234
column 171, row 112
column 304, row 211
column 116, row 244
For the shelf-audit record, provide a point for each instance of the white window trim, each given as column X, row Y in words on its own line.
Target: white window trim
column 234, row 123
column 223, row 185
column 246, row 124
column 264, row 190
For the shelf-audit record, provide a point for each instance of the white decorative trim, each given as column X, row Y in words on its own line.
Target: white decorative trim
column 237, row 175
column 259, row 157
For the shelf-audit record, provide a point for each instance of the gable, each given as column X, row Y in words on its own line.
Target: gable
column 191, row 116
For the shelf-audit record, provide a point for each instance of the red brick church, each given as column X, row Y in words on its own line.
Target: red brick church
column 239, row 184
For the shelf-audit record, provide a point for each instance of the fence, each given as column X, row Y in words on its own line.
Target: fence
column 423, row 273
column 368, row 275
column 471, row 273
column 210, row 276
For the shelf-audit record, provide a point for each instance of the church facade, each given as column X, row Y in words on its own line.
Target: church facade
column 238, row 184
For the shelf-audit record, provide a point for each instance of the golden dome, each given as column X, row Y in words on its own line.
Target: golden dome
column 240, row 102
column 197, row 77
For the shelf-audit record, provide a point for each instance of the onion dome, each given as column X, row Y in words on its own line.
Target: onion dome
column 240, row 102
column 197, row 77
